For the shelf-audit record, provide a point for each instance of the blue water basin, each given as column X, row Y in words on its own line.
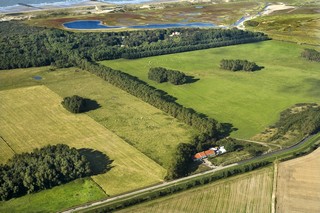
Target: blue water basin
column 87, row 25
column 95, row 24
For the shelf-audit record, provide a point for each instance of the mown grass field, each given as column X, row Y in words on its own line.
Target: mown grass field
column 249, row 101
column 32, row 117
column 52, row 200
column 249, row 192
column 148, row 129
column 298, row 184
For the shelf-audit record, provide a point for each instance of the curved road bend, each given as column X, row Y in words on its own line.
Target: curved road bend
column 85, row 206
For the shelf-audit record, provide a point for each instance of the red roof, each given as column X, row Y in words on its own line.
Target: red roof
column 199, row 155
column 209, row 152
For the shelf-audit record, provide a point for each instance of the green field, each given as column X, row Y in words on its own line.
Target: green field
column 148, row 129
column 250, row 192
column 249, row 101
column 52, row 200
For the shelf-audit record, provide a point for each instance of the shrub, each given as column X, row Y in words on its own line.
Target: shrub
column 74, row 104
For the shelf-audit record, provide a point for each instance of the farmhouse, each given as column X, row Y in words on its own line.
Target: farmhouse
column 210, row 152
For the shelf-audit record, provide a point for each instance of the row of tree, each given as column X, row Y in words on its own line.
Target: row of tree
column 236, row 65
column 41, row 169
column 141, row 52
column 311, row 54
column 161, row 74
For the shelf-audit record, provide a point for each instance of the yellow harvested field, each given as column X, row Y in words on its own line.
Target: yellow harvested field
column 33, row 117
column 5, row 150
column 250, row 192
column 298, row 184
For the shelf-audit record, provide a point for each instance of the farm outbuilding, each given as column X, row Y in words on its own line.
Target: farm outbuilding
column 210, row 152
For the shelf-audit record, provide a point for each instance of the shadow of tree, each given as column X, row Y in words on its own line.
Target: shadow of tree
column 258, row 68
column 225, row 129
column 193, row 166
column 91, row 105
column 99, row 162
column 191, row 79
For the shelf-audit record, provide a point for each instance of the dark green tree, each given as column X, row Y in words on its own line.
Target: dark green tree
column 181, row 161
column 74, row 104
column 41, row 169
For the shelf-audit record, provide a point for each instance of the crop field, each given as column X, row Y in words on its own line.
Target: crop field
column 249, row 192
column 5, row 150
column 249, row 101
column 148, row 129
column 298, row 184
column 33, row 117
column 52, row 200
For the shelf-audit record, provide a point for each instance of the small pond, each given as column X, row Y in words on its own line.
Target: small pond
column 87, row 25
column 96, row 24
column 37, row 77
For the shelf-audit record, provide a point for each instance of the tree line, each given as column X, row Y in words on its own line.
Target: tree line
column 142, row 52
column 43, row 168
column 161, row 74
column 236, row 65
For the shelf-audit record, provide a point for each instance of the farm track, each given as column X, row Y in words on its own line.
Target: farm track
column 269, row 145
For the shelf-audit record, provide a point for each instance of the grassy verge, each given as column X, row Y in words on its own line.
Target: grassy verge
column 249, row 101
column 52, row 200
